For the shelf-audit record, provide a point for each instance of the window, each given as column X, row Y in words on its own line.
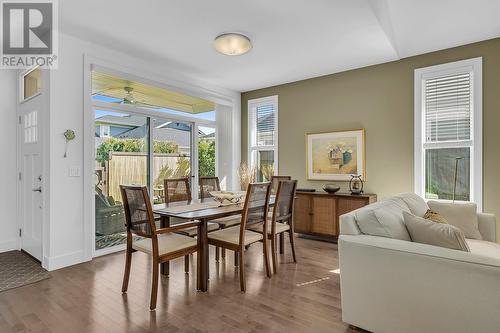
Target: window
column 448, row 131
column 263, row 136
column 32, row 83
column 105, row 131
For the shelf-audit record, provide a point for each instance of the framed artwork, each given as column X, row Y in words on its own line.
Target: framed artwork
column 335, row 155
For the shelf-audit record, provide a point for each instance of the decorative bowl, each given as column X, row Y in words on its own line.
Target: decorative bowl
column 227, row 196
column 330, row 188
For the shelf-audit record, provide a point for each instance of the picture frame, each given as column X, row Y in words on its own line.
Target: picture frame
column 335, row 155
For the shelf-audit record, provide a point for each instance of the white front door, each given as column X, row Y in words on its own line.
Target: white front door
column 30, row 164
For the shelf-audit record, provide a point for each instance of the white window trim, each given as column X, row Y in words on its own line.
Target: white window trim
column 254, row 103
column 476, row 68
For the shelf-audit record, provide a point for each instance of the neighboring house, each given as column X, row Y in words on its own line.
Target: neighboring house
column 265, row 126
column 133, row 127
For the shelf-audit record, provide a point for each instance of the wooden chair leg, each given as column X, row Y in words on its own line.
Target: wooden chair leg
column 265, row 250
column 235, row 259
column 165, row 268
column 274, row 251
column 217, row 254
column 242, row 271
column 186, row 264
column 154, row 285
column 292, row 244
column 126, row 274
column 282, row 243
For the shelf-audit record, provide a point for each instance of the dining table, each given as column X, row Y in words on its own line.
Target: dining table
column 202, row 210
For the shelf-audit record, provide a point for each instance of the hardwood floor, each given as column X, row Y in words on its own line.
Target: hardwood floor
column 302, row 297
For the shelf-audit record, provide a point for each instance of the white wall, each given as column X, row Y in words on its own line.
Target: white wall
column 8, row 124
column 68, row 244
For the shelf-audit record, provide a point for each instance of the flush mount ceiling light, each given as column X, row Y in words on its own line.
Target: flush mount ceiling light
column 232, row 44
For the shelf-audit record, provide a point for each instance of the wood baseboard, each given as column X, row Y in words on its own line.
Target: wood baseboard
column 329, row 239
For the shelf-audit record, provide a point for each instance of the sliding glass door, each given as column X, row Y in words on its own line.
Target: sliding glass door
column 206, row 152
column 134, row 148
column 121, row 157
column 172, row 147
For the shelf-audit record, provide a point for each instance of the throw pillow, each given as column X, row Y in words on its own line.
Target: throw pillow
column 437, row 234
column 434, row 217
column 462, row 216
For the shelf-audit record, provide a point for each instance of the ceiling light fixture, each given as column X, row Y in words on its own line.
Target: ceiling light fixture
column 232, row 44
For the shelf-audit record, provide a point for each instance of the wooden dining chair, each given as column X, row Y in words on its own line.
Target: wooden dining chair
column 282, row 219
column 208, row 184
column 236, row 238
column 179, row 189
column 275, row 180
column 161, row 244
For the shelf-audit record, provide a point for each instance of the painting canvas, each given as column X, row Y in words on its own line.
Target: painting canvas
column 335, row 155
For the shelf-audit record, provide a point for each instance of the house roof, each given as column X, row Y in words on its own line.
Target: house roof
column 129, row 120
column 172, row 131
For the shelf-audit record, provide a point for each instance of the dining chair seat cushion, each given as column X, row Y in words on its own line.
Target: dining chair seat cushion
column 193, row 231
column 232, row 236
column 167, row 243
column 280, row 227
column 228, row 221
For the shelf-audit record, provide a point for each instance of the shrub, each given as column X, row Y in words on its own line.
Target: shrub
column 132, row 146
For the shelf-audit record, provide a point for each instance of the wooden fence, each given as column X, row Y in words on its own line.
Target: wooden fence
column 131, row 168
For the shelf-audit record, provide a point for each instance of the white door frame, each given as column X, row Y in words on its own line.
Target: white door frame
column 43, row 137
column 91, row 63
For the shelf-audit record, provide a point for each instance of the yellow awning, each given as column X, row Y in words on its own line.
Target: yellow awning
column 146, row 95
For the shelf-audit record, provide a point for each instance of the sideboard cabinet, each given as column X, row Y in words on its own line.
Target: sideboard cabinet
column 317, row 213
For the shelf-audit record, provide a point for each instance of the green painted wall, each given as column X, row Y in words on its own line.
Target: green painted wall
column 380, row 99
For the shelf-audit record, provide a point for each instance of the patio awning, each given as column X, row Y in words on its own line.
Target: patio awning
column 146, row 95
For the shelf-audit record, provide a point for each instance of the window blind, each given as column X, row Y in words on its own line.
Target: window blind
column 263, row 117
column 448, row 108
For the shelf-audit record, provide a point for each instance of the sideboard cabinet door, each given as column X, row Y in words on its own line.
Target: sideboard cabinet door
column 323, row 218
column 302, row 214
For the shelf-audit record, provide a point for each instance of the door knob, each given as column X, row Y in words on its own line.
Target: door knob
column 38, row 189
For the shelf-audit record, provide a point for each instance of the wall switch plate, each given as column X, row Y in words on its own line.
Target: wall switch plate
column 74, row 171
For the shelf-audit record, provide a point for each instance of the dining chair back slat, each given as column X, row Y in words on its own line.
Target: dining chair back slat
column 177, row 189
column 256, row 205
column 284, row 201
column 275, row 180
column 138, row 211
column 208, row 184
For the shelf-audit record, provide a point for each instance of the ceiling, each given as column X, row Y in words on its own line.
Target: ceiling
column 292, row 39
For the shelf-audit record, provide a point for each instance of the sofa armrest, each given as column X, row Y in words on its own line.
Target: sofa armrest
column 487, row 226
column 348, row 225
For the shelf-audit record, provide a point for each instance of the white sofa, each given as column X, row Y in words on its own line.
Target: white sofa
column 392, row 285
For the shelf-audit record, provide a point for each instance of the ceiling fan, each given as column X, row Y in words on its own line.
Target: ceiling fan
column 130, row 99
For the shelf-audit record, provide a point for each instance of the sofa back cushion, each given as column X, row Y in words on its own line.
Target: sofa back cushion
column 384, row 219
column 414, row 202
column 462, row 216
column 438, row 234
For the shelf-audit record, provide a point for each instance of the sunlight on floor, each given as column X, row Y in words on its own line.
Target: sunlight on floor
column 311, row 282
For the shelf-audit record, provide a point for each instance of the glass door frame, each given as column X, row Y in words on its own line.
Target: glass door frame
column 152, row 114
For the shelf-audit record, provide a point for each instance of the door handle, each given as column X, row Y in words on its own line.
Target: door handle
column 38, row 189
